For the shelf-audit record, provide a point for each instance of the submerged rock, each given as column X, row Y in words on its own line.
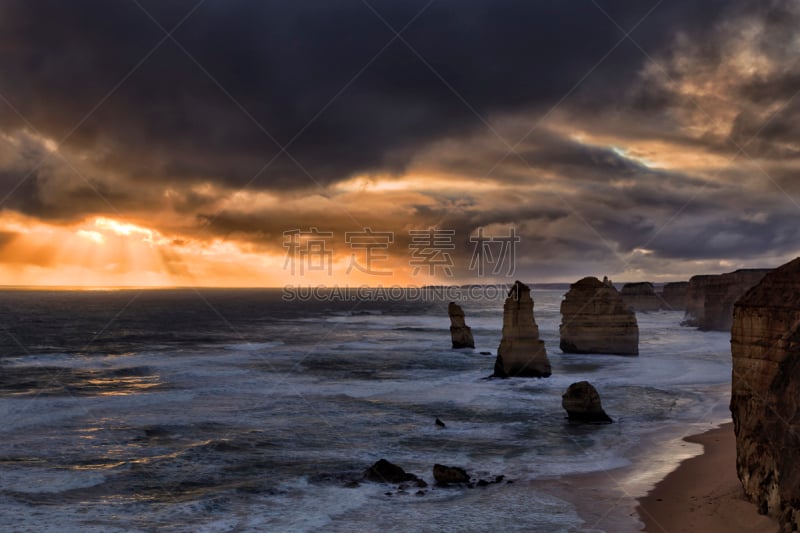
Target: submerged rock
column 710, row 298
column 641, row 296
column 595, row 319
column 582, row 403
column 460, row 333
column 385, row 472
column 765, row 393
column 445, row 475
column 521, row 352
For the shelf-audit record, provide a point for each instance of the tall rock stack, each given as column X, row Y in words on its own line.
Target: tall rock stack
column 710, row 299
column 765, row 393
column 595, row 319
column 460, row 332
column 521, row 352
column 641, row 296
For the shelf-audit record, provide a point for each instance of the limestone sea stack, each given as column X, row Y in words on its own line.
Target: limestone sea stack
column 673, row 295
column 710, row 298
column 582, row 404
column 765, row 393
column 521, row 352
column 595, row 319
column 460, row 333
column 641, row 296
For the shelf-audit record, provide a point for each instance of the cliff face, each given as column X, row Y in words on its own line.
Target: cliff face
column 521, row 352
column 696, row 300
column 765, row 393
column 641, row 296
column 710, row 299
column 673, row 295
column 595, row 319
column 460, row 332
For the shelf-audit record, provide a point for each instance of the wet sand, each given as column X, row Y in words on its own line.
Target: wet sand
column 704, row 493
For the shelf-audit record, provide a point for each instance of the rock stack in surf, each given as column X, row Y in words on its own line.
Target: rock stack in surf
column 460, row 333
column 521, row 352
column 595, row 319
column 582, row 404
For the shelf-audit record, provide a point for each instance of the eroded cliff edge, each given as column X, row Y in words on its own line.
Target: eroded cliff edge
column 765, row 393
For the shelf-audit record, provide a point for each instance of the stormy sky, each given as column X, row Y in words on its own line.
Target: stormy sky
column 149, row 142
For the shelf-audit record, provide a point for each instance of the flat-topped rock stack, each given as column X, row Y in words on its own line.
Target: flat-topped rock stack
column 595, row 319
column 641, row 296
column 673, row 295
column 521, row 352
column 710, row 298
column 765, row 393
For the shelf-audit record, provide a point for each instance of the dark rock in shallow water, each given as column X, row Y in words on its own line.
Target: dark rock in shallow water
column 445, row 475
column 460, row 332
column 582, row 403
column 385, row 472
column 486, row 353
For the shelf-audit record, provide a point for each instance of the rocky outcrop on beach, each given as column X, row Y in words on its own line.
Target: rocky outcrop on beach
column 385, row 472
column 710, row 298
column 521, row 352
column 673, row 295
column 582, row 404
column 765, row 393
column 641, row 296
column 446, row 475
column 595, row 319
column 460, row 333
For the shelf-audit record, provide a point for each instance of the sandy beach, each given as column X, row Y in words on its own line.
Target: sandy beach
column 704, row 493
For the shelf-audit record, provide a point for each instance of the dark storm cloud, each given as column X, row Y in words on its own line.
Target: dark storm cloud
column 297, row 64
column 730, row 237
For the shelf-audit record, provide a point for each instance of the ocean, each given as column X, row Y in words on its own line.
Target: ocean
column 253, row 410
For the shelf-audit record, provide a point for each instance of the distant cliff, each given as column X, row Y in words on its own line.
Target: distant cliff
column 673, row 295
column 710, row 298
column 765, row 393
column 641, row 296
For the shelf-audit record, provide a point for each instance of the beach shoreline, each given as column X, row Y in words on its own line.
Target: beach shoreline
column 703, row 493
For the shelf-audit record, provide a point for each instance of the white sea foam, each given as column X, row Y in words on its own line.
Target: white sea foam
column 337, row 394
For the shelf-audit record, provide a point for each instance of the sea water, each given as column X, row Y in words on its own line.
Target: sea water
column 253, row 410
